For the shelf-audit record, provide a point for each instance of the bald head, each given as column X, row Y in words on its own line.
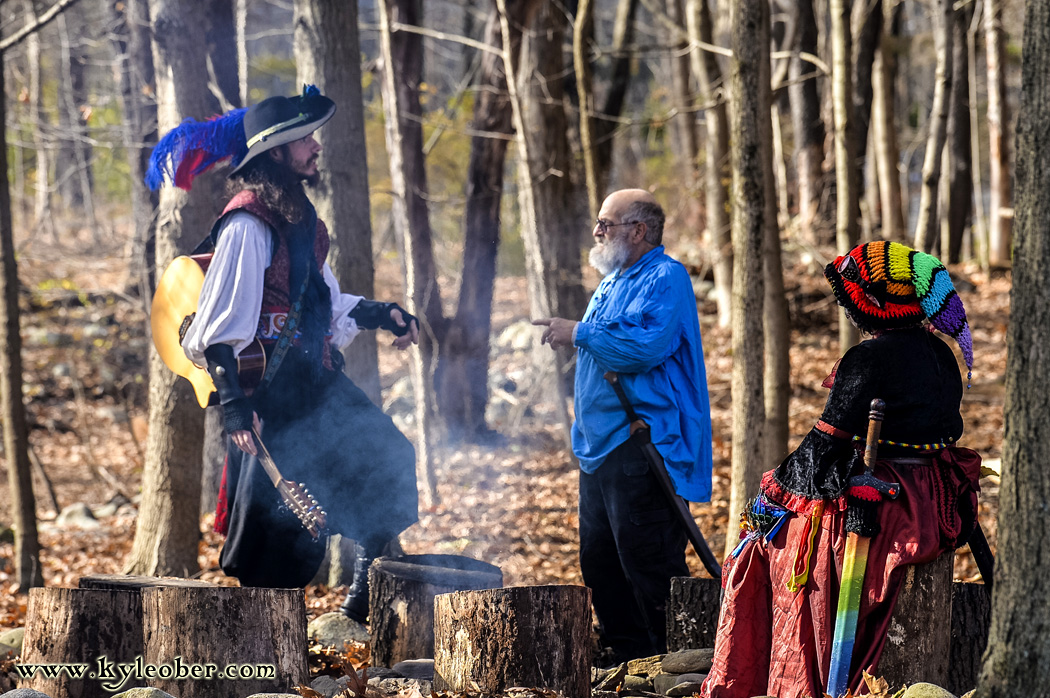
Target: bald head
column 636, row 206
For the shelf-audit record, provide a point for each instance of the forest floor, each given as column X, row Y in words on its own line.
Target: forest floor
column 511, row 502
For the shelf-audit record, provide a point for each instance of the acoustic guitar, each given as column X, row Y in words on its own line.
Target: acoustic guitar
column 174, row 307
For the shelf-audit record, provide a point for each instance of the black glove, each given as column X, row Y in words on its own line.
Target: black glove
column 373, row 315
column 237, row 408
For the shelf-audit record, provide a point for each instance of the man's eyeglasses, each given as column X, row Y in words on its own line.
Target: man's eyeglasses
column 604, row 225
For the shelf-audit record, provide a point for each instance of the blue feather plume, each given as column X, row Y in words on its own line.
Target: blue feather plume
column 194, row 147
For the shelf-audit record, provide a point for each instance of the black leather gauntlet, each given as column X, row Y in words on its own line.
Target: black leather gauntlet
column 373, row 315
column 222, row 366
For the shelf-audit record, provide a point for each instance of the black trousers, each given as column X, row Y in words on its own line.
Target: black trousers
column 631, row 544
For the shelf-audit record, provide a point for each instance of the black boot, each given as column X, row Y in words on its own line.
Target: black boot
column 355, row 606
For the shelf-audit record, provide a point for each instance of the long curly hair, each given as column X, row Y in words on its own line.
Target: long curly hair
column 278, row 187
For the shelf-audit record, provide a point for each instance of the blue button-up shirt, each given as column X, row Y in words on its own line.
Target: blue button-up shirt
column 642, row 323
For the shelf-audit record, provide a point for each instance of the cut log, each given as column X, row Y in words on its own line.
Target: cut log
column 401, row 600
column 919, row 638
column 235, row 641
column 971, row 618
column 692, row 613
column 537, row 637
column 131, row 582
column 87, row 630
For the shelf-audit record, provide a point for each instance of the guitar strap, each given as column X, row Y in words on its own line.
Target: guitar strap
column 284, row 340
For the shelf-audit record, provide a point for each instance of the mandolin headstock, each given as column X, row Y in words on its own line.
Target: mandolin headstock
column 303, row 504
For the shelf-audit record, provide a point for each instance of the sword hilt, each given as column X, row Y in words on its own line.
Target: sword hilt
column 866, row 486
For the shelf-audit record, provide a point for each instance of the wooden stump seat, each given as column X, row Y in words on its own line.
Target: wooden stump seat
column 491, row 640
column 401, row 600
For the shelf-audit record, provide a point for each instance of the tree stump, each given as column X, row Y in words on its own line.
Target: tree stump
column 401, row 600
column 537, row 637
column 919, row 639
column 971, row 618
column 692, row 612
column 136, row 583
column 83, row 629
column 224, row 641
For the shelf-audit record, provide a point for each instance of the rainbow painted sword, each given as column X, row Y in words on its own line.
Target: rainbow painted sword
column 854, row 562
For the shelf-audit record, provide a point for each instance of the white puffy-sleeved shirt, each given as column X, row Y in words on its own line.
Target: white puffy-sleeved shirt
column 234, row 282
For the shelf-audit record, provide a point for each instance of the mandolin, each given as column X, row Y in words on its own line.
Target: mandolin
column 173, row 309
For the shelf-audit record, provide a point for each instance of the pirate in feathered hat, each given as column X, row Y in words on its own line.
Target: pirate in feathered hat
column 781, row 583
column 268, row 281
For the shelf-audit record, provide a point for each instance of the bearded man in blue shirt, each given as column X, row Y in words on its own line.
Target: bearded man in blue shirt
column 641, row 323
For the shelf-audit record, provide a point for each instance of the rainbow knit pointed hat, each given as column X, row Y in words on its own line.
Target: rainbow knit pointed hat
column 887, row 285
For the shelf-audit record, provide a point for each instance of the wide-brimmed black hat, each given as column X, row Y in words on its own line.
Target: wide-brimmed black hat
column 279, row 120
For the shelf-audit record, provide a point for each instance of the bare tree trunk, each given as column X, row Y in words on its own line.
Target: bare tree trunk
column 776, row 330
column 554, row 228
column 887, row 155
column 616, row 92
column 807, row 123
column 582, row 35
column 402, row 73
column 1017, row 660
column 73, row 173
column 684, row 122
column 960, row 181
column 222, row 53
column 979, row 230
column 328, row 54
column 240, row 20
column 41, row 138
column 847, row 232
column 866, row 22
column 748, row 84
column 927, row 225
column 541, row 260
column 168, row 528
column 132, row 44
column 709, row 77
column 999, row 221
column 16, row 433
column 464, row 367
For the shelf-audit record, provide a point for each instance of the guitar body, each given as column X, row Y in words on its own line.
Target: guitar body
column 175, row 300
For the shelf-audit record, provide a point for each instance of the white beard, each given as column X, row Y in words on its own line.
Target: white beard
column 609, row 257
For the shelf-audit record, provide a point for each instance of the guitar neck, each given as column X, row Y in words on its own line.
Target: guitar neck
column 266, row 459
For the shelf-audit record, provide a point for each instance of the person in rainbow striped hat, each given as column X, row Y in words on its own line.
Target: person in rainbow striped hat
column 781, row 583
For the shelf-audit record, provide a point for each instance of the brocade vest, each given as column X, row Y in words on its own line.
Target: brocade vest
column 276, row 294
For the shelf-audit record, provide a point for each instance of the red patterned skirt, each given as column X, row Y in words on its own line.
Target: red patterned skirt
column 773, row 641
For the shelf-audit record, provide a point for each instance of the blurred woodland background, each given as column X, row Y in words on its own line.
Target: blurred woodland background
column 473, row 144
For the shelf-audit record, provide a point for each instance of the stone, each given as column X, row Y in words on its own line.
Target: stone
column 416, row 669
column 662, row 683
column 406, row 686
column 13, row 639
column 612, row 679
column 692, row 678
column 685, row 689
column 335, row 629
column 688, row 661
column 926, row 690
column 325, row 685
column 970, row 694
column 646, row 666
column 633, row 682
column 25, row 693
column 77, row 516
column 143, row 692
column 377, row 674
